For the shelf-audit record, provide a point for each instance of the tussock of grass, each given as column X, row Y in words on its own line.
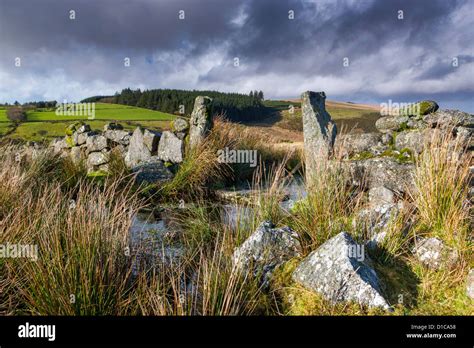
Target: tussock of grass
column 81, row 235
column 440, row 193
column 327, row 208
column 205, row 285
column 441, row 292
column 270, row 185
column 201, row 167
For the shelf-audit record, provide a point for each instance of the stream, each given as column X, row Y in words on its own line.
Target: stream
column 152, row 238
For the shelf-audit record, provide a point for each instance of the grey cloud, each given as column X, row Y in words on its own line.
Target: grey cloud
column 198, row 52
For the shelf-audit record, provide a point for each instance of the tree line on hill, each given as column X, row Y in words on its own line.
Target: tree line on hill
column 234, row 106
column 32, row 104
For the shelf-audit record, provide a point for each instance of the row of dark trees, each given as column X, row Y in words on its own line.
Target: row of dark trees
column 234, row 106
column 34, row 104
column 256, row 94
column 97, row 98
column 41, row 104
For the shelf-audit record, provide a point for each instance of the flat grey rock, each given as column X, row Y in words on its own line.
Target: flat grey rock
column 339, row 273
column 170, row 148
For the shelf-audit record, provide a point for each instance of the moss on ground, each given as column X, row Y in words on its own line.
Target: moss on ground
column 362, row 156
column 401, row 156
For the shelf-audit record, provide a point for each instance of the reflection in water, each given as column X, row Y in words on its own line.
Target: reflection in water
column 150, row 240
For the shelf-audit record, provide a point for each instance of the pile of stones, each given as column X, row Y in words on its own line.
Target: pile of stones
column 146, row 152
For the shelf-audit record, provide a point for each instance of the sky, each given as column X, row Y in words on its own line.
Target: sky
column 365, row 51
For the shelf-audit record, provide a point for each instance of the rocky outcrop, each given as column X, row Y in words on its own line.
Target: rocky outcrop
column 413, row 131
column 357, row 143
column 267, row 248
column 170, row 148
column 382, row 171
column 391, row 123
column 319, row 131
column 201, row 121
column 340, row 271
column 383, row 166
column 434, row 254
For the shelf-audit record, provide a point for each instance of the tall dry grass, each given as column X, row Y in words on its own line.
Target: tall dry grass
column 85, row 265
column 328, row 207
column 201, row 167
column 81, row 236
column 441, row 187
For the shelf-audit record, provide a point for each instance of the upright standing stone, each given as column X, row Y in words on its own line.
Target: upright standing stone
column 318, row 129
column 137, row 151
column 201, row 121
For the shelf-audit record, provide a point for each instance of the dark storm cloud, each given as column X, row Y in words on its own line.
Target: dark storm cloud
column 388, row 56
column 113, row 24
column 350, row 32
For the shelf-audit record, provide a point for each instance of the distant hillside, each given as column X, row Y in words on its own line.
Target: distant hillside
column 287, row 115
column 235, row 106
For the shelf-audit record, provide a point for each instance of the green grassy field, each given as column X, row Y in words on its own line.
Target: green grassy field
column 5, row 127
column 46, row 125
column 3, row 115
column 105, row 112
